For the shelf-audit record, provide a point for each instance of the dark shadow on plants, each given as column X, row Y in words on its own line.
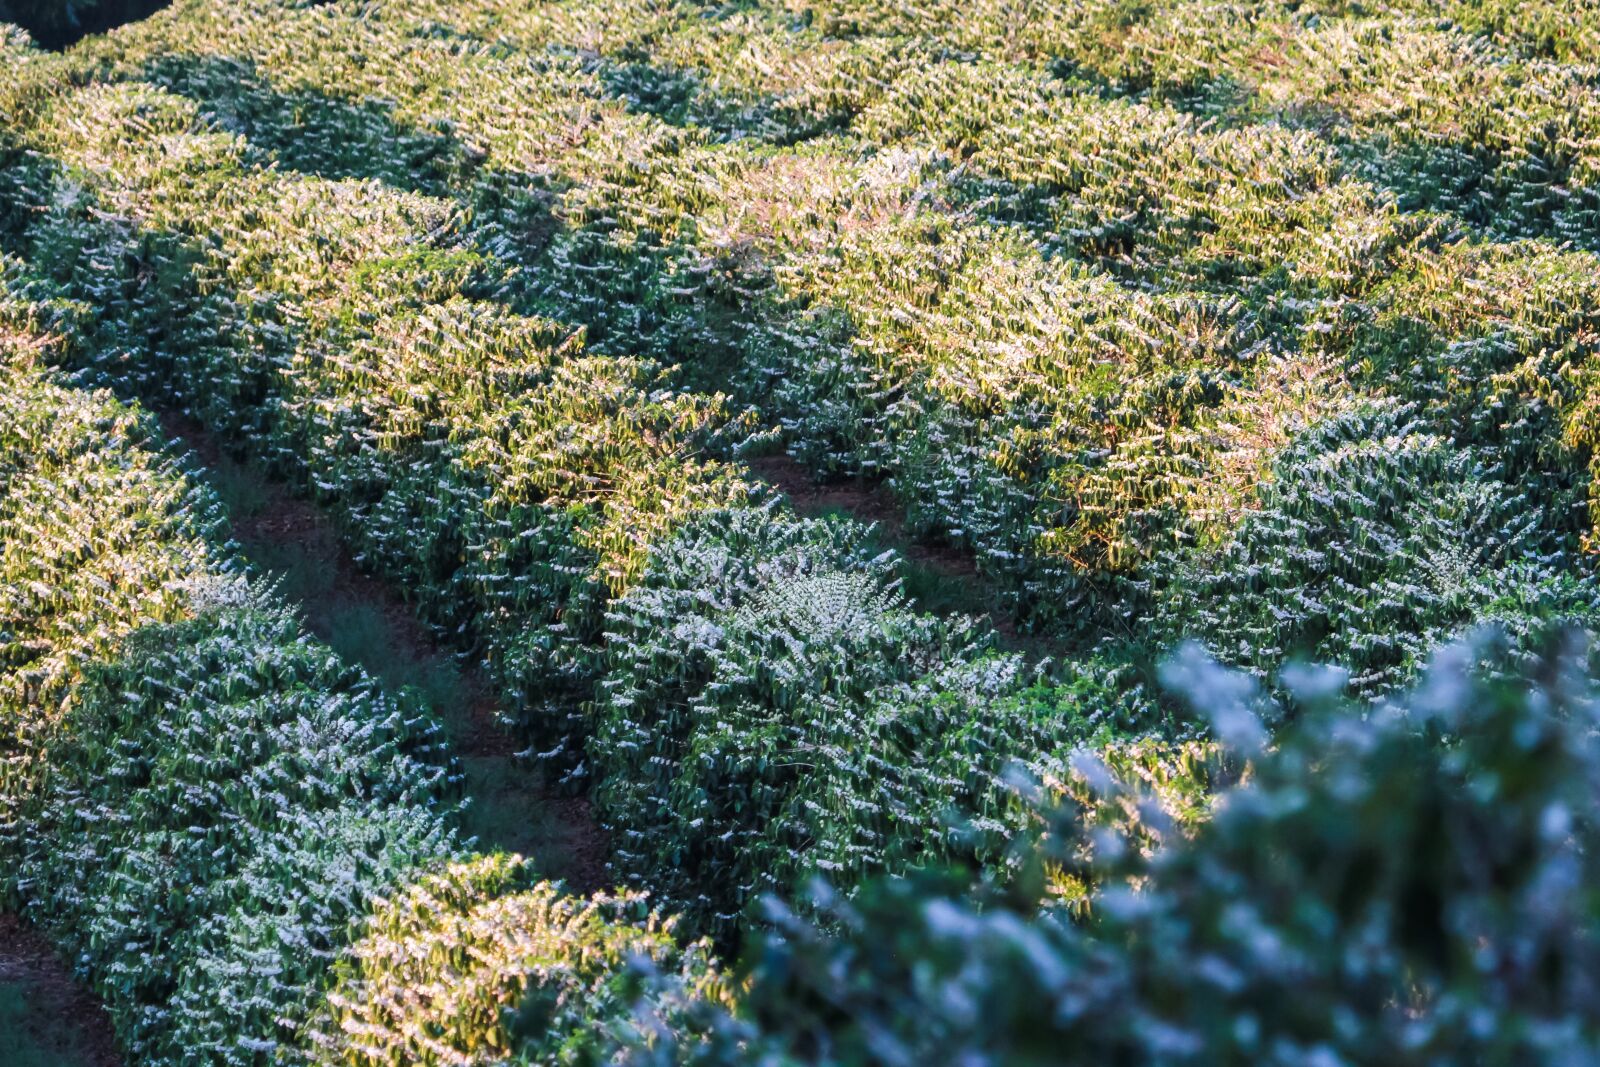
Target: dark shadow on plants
column 315, row 133
column 1503, row 194
column 680, row 97
column 26, row 179
column 338, row 138
column 61, row 23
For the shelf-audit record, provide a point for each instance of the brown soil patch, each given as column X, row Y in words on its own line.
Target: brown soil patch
column 587, row 852
column 870, row 501
column 867, row 502
column 63, row 1018
column 477, row 733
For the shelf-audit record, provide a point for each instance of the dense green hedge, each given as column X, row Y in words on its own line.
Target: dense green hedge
column 1408, row 882
column 774, row 707
column 199, row 803
column 97, row 534
column 228, row 799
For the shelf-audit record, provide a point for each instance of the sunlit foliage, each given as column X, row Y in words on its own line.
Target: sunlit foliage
column 1268, row 323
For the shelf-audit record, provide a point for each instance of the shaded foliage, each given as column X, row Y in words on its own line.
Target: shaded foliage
column 1405, row 882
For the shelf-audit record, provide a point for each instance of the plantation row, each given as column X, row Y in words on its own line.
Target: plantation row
column 210, row 802
column 1214, row 319
column 1075, row 300
column 571, row 508
column 759, row 701
column 201, row 804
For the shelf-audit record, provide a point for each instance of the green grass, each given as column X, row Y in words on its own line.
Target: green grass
column 942, row 593
column 239, row 487
column 504, row 813
column 301, row 578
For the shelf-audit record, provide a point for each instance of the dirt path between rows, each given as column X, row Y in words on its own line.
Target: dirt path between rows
column 47, row 1019
column 364, row 619
column 966, row 589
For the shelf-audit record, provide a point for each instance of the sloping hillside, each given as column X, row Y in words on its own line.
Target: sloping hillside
column 584, row 341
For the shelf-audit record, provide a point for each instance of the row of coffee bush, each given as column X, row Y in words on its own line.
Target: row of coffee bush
column 559, row 512
column 773, row 707
column 321, row 229
column 1401, row 882
column 203, row 806
column 245, row 844
column 511, row 482
column 1072, row 324
column 1076, row 423
column 210, row 888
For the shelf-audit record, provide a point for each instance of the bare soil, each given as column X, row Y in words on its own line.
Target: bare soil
column 872, row 502
column 513, row 808
column 61, row 1023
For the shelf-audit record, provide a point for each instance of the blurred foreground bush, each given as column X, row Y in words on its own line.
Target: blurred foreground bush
column 1405, row 882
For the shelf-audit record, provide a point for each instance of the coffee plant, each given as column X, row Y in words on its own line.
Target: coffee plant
column 1374, row 542
column 200, row 804
column 774, row 707
column 478, row 965
column 1401, row 882
column 1266, row 323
